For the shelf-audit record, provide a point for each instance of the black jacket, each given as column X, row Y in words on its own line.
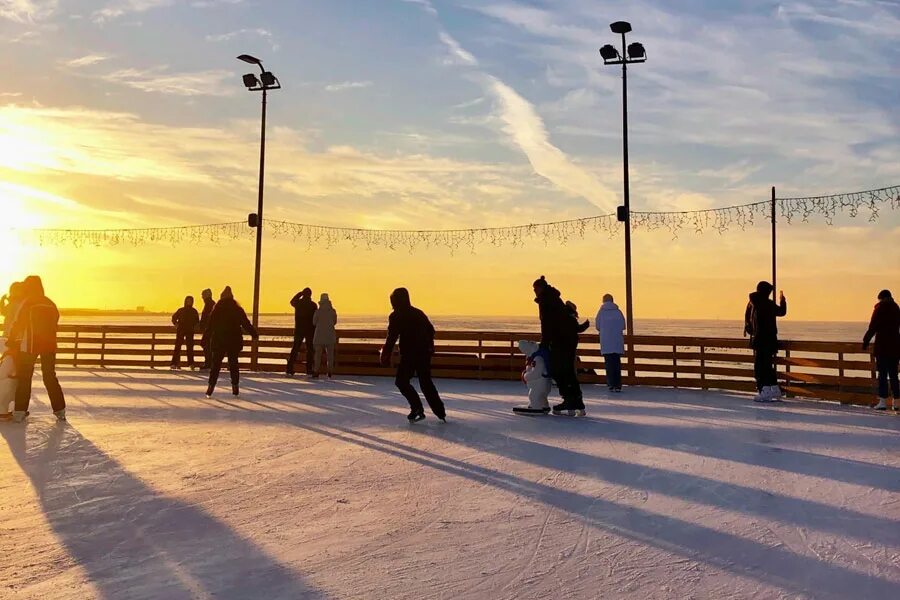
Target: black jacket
column 185, row 319
column 559, row 327
column 208, row 306
column 226, row 323
column 304, row 309
column 411, row 326
column 759, row 321
column 885, row 328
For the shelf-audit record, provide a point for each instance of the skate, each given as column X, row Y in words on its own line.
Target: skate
column 235, row 391
column 60, row 415
column 569, row 409
column 882, row 404
column 527, row 410
column 10, row 416
column 415, row 416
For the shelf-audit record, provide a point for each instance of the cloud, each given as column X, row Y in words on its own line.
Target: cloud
column 347, row 85
column 425, row 4
column 224, row 37
column 161, row 80
column 458, row 55
column 27, row 11
column 119, row 8
column 86, row 61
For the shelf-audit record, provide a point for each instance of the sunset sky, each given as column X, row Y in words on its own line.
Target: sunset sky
column 444, row 114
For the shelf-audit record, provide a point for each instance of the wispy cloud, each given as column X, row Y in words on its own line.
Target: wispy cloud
column 118, row 8
column 458, row 54
column 347, row 85
column 161, row 80
column 86, row 61
column 257, row 32
column 425, row 4
column 27, row 11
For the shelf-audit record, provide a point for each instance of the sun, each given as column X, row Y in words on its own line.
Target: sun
column 14, row 253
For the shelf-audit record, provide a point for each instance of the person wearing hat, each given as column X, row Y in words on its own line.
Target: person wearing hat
column 884, row 326
column 760, row 324
column 304, row 309
column 325, row 335
column 208, row 305
column 559, row 336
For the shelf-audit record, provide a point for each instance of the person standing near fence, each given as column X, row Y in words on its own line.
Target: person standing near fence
column 610, row 324
column 208, row 305
column 325, row 335
column 185, row 321
column 415, row 333
column 884, row 326
column 559, row 335
column 33, row 335
column 304, row 309
column 225, row 337
column 760, row 324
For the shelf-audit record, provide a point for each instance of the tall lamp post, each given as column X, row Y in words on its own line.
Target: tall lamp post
column 633, row 53
column 265, row 82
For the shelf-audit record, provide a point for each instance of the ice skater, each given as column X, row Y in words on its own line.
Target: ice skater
column 415, row 333
column 225, row 337
column 185, row 321
column 537, row 377
column 610, row 324
column 884, row 326
column 559, row 336
column 208, row 305
column 325, row 336
column 760, row 324
column 7, row 383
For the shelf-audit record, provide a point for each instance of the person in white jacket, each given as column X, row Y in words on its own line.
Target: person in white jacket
column 325, row 336
column 610, row 324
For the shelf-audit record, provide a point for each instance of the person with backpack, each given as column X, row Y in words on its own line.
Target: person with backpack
column 185, row 321
column 33, row 335
column 559, row 336
column 884, row 326
column 760, row 324
column 411, row 327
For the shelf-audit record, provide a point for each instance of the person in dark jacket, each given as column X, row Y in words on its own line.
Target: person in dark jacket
column 885, row 328
column 415, row 332
column 208, row 305
column 559, row 335
column 33, row 335
column 760, row 324
column 304, row 330
column 227, row 322
column 185, row 321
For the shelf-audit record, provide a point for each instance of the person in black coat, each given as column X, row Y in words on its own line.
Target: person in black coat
column 208, row 305
column 885, row 328
column 225, row 337
column 185, row 321
column 760, row 324
column 415, row 332
column 559, row 335
column 304, row 330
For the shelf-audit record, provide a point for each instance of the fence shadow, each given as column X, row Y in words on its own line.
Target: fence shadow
column 133, row 541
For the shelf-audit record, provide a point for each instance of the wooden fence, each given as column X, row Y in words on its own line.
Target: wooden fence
column 837, row 371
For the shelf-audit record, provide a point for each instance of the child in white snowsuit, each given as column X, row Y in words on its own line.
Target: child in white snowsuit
column 536, row 377
column 7, row 384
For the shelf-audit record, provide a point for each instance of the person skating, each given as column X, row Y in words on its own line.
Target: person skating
column 227, row 322
column 185, row 321
column 33, row 335
column 9, row 306
column 208, row 305
column 559, row 335
column 884, row 326
column 304, row 309
column 325, row 335
column 7, row 383
column 610, row 324
column 415, row 333
column 760, row 324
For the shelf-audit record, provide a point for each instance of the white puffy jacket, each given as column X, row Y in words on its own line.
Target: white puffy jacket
column 610, row 324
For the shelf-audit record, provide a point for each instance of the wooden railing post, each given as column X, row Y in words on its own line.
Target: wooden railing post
column 75, row 351
column 840, row 371
column 787, row 368
column 103, row 348
column 153, row 350
column 703, row 385
column 675, row 365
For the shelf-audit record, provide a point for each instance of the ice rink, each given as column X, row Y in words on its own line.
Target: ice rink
column 304, row 489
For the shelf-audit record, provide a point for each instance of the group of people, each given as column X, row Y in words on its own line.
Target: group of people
column 30, row 324
column 316, row 326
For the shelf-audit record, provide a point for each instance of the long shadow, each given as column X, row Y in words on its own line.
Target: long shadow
column 133, row 541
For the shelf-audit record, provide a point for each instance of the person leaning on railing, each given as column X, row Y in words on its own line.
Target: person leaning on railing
column 884, row 326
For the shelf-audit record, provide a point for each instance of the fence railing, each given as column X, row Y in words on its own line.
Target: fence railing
column 837, row 371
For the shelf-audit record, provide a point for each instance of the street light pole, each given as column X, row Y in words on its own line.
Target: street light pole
column 266, row 81
column 629, row 54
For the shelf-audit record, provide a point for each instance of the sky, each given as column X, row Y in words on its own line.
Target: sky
column 447, row 114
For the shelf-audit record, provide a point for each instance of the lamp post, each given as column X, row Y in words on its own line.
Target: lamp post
column 265, row 82
column 633, row 53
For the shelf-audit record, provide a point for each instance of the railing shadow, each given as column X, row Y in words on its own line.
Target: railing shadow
column 133, row 541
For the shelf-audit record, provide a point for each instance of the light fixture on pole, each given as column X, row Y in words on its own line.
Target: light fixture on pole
column 265, row 82
column 633, row 53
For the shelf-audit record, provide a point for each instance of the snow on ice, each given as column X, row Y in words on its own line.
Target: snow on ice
column 322, row 490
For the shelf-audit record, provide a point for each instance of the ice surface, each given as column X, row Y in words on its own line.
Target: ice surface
column 322, row 490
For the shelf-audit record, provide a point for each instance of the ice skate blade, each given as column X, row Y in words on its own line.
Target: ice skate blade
column 570, row 413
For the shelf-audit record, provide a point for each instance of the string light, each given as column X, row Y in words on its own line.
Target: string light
column 719, row 220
